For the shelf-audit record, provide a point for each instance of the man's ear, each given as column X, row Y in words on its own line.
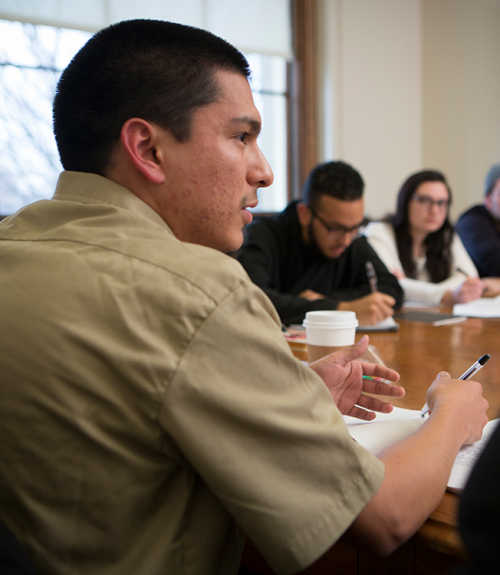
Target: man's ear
column 140, row 140
column 304, row 214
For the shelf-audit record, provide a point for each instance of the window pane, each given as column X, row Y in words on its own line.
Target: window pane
column 273, row 143
column 268, row 73
column 29, row 162
column 268, row 83
column 28, row 45
column 31, row 59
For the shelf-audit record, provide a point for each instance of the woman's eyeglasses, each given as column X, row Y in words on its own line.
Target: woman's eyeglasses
column 430, row 203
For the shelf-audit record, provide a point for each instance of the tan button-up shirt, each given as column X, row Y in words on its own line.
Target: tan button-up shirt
column 151, row 411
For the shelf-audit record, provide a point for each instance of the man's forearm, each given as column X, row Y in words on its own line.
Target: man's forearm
column 417, row 473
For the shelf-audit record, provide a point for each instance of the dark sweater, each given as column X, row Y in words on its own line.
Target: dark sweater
column 278, row 261
column 478, row 516
column 481, row 238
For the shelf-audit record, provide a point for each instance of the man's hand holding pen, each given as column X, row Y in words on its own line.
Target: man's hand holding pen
column 468, row 374
column 462, row 401
column 372, row 308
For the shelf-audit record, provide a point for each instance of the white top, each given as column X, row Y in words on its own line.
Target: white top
column 383, row 240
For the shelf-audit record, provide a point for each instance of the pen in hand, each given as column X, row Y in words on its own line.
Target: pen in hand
column 485, row 287
column 473, row 369
column 372, row 276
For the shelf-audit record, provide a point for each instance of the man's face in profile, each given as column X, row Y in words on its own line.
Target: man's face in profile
column 333, row 225
column 213, row 177
column 492, row 201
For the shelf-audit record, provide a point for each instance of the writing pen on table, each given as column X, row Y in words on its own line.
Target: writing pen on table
column 473, row 369
column 372, row 276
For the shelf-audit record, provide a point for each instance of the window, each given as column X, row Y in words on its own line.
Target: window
column 268, row 83
column 31, row 61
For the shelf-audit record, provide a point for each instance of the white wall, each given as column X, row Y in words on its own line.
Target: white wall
column 411, row 84
column 370, row 76
column 461, row 93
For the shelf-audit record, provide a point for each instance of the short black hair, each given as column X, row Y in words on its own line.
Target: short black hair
column 336, row 179
column 159, row 71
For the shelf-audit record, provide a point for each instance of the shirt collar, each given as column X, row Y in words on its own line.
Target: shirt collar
column 91, row 188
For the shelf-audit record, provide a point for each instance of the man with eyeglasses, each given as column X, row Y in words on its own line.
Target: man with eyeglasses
column 312, row 255
column 479, row 227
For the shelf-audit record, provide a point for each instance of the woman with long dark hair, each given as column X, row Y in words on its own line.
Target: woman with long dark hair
column 419, row 246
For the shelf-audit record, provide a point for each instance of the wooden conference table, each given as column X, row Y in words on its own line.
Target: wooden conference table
column 418, row 351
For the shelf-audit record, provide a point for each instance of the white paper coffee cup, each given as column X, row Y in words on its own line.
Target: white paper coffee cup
column 329, row 330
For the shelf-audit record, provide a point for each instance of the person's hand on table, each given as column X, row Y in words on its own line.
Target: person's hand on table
column 311, row 295
column 398, row 274
column 492, row 288
column 471, row 289
column 344, row 378
column 371, row 308
column 463, row 400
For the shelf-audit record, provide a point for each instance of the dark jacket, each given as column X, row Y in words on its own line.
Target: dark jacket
column 279, row 262
column 481, row 237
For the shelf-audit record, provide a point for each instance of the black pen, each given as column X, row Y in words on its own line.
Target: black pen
column 372, row 276
column 473, row 369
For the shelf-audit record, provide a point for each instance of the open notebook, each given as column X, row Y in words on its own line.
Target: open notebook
column 388, row 428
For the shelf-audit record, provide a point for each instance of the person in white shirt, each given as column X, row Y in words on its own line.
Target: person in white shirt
column 420, row 247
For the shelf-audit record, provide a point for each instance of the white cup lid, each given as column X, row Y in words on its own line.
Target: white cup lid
column 331, row 318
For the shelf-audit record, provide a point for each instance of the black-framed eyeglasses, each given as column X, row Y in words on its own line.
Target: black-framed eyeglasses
column 338, row 232
column 429, row 202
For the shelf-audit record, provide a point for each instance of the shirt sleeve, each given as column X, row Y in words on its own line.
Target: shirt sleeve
column 264, row 434
column 461, row 260
column 428, row 292
column 382, row 239
column 421, row 291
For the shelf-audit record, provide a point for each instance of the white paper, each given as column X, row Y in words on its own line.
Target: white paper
column 385, row 429
column 468, row 456
column 386, row 323
column 482, row 307
column 389, row 428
